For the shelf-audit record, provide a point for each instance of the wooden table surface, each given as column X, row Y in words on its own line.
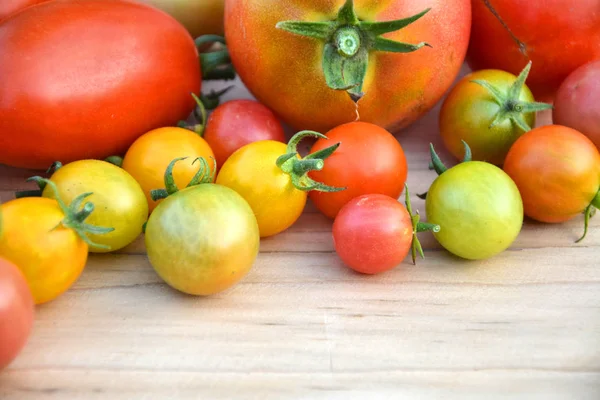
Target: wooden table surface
column 523, row 325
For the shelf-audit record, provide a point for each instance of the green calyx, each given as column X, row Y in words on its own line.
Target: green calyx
column 203, row 175
column 511, row 108
column 76, row 214
column 298, row 168
column 438, row 166
column 348, row 42
column 589, row 213
column 418, row 227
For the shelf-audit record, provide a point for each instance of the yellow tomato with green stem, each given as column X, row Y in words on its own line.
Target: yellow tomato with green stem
column 119, row 200
column 48, row 240
column 274, row 180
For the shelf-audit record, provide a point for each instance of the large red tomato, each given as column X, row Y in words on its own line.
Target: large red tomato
column 84, row 79
column 8, row 7
column 556, row 35
column 306, row 73
column 16, row 312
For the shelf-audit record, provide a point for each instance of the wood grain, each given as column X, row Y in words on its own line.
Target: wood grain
column 523, row 325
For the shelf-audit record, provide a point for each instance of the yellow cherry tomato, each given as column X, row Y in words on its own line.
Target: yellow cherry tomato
column 47, row 241
column 118, row 199
column 273, row 179
column 149, row 156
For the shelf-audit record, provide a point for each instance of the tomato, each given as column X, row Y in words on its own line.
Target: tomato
column 273, row 179
column 556, row 35
column 477, row 206
column 237, row 123
column 9, row 7
column 119, row 200
column 150, row 155
column 577, row 99
column 16, row 312
column 47, row 241
column 488, row 109
column 203, row 239
column 373, row 233
column 557, row 170
column 83, row 87
column 315, row 77
column 200, row 17
column 369, row 160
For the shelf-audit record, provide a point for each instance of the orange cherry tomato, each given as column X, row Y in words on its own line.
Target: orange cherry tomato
column 150, row 155
column 557, row 171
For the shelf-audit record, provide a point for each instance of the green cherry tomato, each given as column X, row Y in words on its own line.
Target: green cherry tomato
column 203, row 239
column 489, row 109
column 478, row 207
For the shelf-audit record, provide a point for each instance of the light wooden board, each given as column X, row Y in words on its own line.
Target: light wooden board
column 524, row 325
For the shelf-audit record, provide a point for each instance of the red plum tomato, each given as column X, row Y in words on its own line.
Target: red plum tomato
column 84, row 86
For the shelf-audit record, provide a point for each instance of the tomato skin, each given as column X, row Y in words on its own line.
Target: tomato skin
column 51, row 259
column 203, row 239
column 479, row 210
column 149, row 156
column 118, row 199
column 372, row 233
column 252, row 172
column 200, row 17
column 9, row 7
column 468, row 111
column 17, row 312
column 557, row 170
column 399, row 87
column 370, row 160
column 577, row 99
column 545, row 28
column 92, row 93
column 237, row 123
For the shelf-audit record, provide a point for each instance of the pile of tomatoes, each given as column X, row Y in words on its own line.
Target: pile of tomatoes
column 134, row 148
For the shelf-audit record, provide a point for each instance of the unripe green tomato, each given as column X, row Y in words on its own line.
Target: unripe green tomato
column 478, row 208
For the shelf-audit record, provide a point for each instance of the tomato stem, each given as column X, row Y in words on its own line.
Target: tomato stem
column 298, row 168
column 348, row 42
column 437, row 163
column 511, row 107
column 418, row 227
column 202, row 176
column 75, row 214
column 589, row 212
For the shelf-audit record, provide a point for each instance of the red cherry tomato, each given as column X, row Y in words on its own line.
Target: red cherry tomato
column 237, row 123
column 16, row 312
column 369, row 160
column 374, row 233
